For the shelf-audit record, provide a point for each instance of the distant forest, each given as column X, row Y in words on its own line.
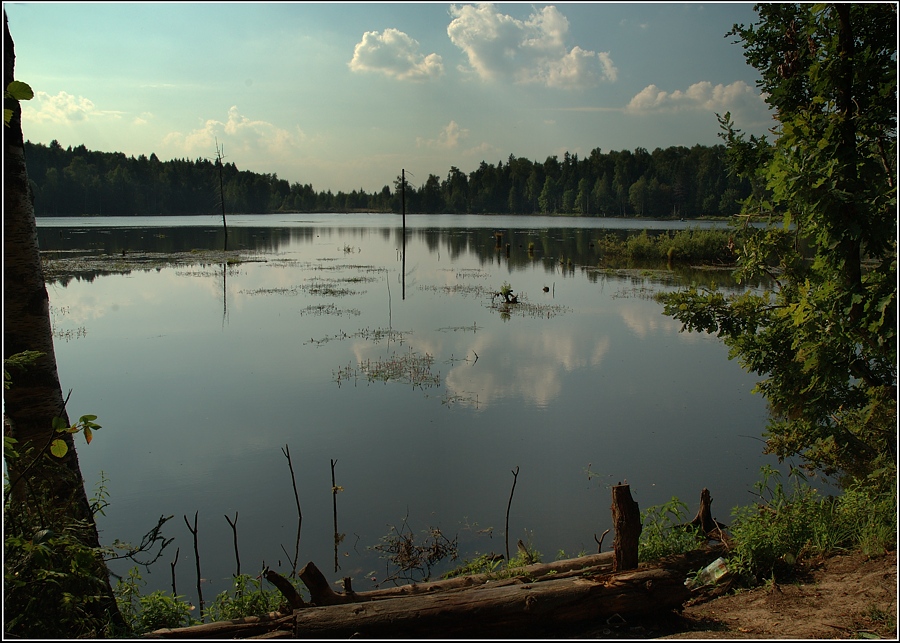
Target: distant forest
column 675, row 182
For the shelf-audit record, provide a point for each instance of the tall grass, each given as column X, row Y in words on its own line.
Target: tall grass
column 692, row 246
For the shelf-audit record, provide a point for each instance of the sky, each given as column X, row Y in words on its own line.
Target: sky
column 343, row 96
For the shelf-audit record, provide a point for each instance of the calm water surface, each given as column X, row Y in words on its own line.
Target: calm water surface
column 201, row 375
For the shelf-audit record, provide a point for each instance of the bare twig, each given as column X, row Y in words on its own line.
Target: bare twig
column 511, row 492
column 600, row 542
column 172, row 565
column 237, row 555
column 287, row 454
column 193, row 531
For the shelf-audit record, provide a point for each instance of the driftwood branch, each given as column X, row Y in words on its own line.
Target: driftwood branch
column 287, row 590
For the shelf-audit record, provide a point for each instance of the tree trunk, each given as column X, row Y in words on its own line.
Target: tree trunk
column 35, row 397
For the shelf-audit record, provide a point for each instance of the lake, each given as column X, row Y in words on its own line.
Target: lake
column 422, row 387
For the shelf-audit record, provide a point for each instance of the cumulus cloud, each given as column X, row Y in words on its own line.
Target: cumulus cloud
column 238, row 132
column 448, row 139
column 699, row 96
column 63, row 108
column 396, row 55
column 527, row 51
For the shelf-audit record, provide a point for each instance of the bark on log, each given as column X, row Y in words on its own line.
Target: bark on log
column 499, row 610
column 580, row 592
column 627, row 523
column 242, row 628
column 595, row 564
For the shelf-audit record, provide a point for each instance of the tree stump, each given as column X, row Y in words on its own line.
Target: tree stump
column 627, row 523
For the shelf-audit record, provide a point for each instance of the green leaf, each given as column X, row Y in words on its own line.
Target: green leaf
column 19, row 90
column 59, row 448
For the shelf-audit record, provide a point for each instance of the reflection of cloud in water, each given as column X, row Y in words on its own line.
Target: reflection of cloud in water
column 637, row 320
column 497, row 376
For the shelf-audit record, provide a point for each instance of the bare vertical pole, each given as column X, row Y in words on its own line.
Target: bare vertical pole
column 219, row 158
column 403, row 202
column 337, row 536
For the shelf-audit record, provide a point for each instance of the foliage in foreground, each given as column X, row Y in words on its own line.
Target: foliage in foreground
column 790, row 524
column 823, row 336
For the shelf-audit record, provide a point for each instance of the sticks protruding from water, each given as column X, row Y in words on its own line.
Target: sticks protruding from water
column 337, row 537
column 172, row 565
column 287, row 454
column 511, row 492
column 237, row 555
column 194, row 531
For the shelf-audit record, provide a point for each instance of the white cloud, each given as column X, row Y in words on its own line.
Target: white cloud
column 699, row 96
column 448, row 139
column 530, row 51
column 239, row 134
column 396, row 55
column 62, row 109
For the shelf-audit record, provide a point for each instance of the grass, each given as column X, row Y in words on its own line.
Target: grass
column 410, row 368
column 691, row 246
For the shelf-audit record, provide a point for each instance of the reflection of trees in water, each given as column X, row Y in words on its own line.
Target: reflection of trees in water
column 554, row 249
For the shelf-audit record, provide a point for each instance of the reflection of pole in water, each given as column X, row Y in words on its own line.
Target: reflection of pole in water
column 224, row 293
column 403, row 205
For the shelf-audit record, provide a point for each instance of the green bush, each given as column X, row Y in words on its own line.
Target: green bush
column 247, row 598
column 664, row 532
column 791, row 524
column 152, row 612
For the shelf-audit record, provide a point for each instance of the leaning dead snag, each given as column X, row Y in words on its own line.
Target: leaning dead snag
column 627, row 523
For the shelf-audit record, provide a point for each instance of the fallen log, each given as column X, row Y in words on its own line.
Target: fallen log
column 239, row 628
column 507, row 608
column 321, row 593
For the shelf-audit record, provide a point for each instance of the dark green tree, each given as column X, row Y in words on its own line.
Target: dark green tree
column 823, row 336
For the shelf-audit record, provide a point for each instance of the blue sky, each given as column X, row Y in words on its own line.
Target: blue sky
column 344, row 95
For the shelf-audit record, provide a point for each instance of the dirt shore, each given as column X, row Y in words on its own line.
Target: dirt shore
column 847, row 596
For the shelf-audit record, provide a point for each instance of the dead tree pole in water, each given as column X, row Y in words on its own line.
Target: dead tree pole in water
column 219, row 157
column 337, row 537
column 403, row 208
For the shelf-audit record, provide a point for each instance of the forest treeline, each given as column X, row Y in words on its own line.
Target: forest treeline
column 673, row 182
